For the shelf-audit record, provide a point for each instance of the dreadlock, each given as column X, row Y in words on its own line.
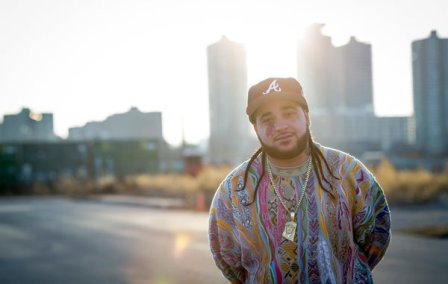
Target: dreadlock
column 316, row 158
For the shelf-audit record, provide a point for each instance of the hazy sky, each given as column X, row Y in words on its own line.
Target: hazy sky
column 85, row 60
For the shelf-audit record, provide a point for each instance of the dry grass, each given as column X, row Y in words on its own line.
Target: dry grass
column 180, row 185
column 438, row 231
column 410, row 186
column 400, row 186
column 174, row 184
column 169, row 185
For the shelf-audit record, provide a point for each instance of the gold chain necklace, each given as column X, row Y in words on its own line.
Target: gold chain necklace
column 290, row 226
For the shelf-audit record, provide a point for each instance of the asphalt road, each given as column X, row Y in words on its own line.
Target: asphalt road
column 57, row 240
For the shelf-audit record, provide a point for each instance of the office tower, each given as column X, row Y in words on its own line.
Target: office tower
column 316, row 61
column 227, row 85
column 339, row 85
column 430, row 82
column 335, row 77
column 354, row 72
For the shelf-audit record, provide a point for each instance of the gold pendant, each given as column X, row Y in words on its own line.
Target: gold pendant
column 290, row 231
column 290, row 228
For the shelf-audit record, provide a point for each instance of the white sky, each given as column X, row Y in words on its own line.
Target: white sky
column 84, row 60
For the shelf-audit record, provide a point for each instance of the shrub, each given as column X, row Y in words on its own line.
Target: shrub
column 410, row 186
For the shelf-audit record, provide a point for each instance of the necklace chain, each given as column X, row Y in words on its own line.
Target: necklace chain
column 302, row 194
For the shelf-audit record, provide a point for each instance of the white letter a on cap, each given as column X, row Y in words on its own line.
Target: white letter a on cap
column 273, row 87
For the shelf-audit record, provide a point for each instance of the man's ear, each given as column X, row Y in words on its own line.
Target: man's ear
column 254, row 126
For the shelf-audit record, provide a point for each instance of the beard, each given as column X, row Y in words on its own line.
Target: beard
column 298, row 148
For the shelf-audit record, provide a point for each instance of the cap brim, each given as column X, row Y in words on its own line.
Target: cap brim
column 250, row 110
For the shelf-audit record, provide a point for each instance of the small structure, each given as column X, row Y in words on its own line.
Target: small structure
column 193, row 161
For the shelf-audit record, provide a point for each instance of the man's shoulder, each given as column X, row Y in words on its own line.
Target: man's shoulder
column 232, row 183
column 335, row 154
column 349, row 164
column 338, row 158
column 240, row 170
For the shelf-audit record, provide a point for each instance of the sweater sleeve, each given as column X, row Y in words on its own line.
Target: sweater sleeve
column 371, row 222
column 224, row 237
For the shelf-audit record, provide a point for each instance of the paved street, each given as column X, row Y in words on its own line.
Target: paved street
column 67, row 241
column 57, row 240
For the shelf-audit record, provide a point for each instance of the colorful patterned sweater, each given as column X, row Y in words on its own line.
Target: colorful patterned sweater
column 342, row 233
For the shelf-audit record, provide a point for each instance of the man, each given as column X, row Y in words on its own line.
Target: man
column 296, row 211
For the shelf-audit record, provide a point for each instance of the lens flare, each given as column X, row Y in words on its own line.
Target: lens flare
column 181, row 242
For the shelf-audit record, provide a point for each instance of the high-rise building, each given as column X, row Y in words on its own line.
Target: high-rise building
column 335, row 77
column 338, row 83
column 229, row 140
column 316, row 60
column 354, row 71
column 430, row 82
column 27, row 126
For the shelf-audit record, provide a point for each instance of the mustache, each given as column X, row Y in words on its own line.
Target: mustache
column 283, row 135
column 302, row 144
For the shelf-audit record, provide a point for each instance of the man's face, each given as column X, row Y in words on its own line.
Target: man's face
column 282, row 128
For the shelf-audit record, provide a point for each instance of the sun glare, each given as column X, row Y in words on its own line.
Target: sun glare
column 269, row 33
column 181, row 242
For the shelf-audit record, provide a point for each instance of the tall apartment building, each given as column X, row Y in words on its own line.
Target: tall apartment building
column 27, row 126
column 316, row 56
column 354, row 72
column 335, row 77
column 229, row 140
column 430, row 82
column 338, row 84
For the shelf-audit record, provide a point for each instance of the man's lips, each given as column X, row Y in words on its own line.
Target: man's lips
column 283, row 136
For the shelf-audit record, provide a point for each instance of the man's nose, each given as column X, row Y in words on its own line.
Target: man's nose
column 280, row 125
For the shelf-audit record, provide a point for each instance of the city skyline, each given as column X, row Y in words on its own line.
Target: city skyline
column 86, row 61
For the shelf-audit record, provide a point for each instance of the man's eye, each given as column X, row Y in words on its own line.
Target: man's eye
column 266, row 120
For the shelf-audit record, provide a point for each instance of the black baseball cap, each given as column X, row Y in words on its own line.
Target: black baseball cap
column 274, row 89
